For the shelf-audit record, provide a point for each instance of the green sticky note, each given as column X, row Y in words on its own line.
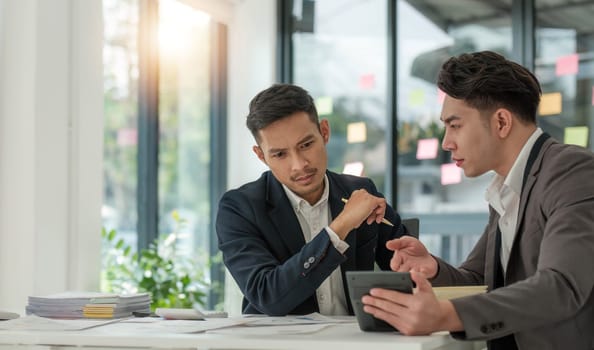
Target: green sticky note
column 416, row 97
column 324, row 105
column 576, row 135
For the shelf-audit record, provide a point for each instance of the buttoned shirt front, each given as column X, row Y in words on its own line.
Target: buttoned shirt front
column 503, row 194
column 313, row 219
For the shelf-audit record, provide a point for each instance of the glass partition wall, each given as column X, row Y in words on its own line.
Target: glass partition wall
column 450, row 206
column 343, row 55
column 340, row 58
column 564, row 64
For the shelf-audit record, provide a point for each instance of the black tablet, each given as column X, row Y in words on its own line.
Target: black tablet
column 359, row 284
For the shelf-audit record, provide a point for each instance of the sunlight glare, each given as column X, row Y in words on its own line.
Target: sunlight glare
column 177, row 23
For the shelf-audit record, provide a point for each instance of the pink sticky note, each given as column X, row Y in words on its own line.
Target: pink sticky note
column 440, row 96
column 127, row 137
column 367, row 81
column 427, row 148
column 450, row 174
column 567, row 65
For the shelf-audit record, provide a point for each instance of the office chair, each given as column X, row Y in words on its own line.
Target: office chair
column 412, row 225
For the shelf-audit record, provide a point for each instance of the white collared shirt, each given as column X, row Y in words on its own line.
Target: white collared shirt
column 503, row 194
column 313, row 219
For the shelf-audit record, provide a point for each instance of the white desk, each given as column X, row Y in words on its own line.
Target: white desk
column 132, row 336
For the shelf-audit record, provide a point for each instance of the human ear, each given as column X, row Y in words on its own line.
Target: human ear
column 325, row 130
column 503, row 120
column 258, row 151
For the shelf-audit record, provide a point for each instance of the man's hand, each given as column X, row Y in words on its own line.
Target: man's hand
column 411, row 255
column 419, row 313
column 361, row 207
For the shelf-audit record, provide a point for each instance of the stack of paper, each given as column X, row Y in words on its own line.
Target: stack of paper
column 88, row 304
column 457, row 291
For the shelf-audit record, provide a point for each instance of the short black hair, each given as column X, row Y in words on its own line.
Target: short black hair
column 277, row 102
column 486, row 81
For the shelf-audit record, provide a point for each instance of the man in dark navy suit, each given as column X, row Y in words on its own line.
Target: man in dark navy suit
column 288, row 237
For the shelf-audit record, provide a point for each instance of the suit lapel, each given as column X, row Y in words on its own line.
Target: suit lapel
column 530, row 180
column 491, row 263
column 283, row 216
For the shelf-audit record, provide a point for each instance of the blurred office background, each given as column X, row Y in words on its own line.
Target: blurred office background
column 121, row 113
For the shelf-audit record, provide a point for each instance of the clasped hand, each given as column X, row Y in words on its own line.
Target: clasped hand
column 360, row 207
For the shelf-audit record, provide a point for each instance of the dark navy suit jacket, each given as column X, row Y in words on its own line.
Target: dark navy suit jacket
column 265, row 251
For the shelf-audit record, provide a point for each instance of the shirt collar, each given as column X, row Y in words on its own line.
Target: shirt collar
column 516, row 173
column 297, row 202
column 514, row 178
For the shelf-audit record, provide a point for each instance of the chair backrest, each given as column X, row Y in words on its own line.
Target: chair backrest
column 412, row 225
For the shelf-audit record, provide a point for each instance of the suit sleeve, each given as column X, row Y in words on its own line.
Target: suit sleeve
column 559, row 229
column 273, row 286
column 386, row 233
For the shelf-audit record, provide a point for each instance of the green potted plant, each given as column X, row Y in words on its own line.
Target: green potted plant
column 172, row 279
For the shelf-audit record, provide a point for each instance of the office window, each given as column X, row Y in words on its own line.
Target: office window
column 160, row 105
column 339, row 55
column 564, row 64
column 120, row 79
column 451, row 207
column 184, row 119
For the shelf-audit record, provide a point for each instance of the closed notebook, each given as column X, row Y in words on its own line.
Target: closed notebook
column 443, row 293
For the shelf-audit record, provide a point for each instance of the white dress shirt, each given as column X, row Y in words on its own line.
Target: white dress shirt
column 312, row 219
column 503, row 194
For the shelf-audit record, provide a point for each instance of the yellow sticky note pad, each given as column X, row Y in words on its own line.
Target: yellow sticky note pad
column 551, row 104
column 416, row 97
column 324, row 105
column 356, row 132
column 576, row 135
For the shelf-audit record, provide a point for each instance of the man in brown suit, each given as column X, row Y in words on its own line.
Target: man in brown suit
column 537, row 251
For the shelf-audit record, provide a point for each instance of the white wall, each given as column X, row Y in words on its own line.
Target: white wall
column 252, row 66
column 51, row 120
column 252, row 50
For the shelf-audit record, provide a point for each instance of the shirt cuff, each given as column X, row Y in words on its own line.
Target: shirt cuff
column 338, row 243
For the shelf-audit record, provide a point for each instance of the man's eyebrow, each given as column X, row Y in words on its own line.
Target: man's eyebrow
column 450, row 119
column 276, row 150
column 306, row 138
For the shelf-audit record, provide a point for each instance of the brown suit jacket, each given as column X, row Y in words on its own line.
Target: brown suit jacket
column 547, row 301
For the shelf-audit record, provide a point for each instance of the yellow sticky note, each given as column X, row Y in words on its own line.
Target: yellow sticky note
column 576, row 135
column 550, row 104
column 416, row 97
column 324, row 105
column 356, row 132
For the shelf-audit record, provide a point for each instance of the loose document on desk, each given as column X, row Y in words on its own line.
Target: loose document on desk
column 281, row 325
column 287, row 324
column 36, row 323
